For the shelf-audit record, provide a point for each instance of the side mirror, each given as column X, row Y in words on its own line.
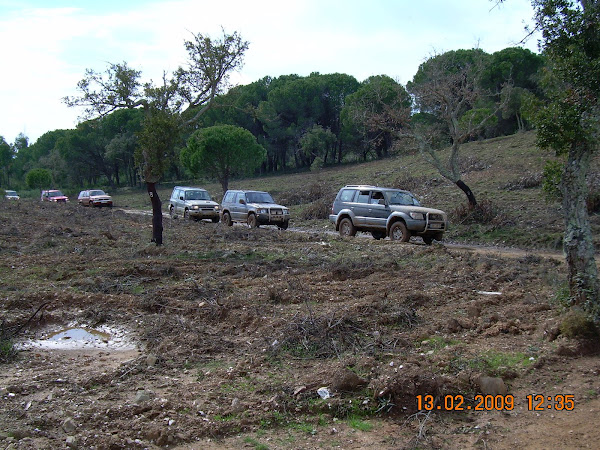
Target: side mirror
column 180, row 198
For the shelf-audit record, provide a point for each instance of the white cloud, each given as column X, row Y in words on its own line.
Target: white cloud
column 46, row 49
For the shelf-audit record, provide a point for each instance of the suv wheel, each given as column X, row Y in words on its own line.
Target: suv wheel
column 252, row 223
column 227, row 219
column 186, row 214
column 284, row 225
column 378, row 234
column 398, row 232
column 215, row 220
column 428, row 240
column 172, row 212
column 347, row 228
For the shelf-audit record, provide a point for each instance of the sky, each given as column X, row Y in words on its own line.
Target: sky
column 47, row 45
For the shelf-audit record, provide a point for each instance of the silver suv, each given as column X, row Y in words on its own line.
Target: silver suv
column 193, row 203
column 254, row 208
column 386, row 212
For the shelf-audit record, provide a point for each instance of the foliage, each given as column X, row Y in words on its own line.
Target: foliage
column 578, row 324
column 193, row 88
column 38, row 178
column 222, row 151
column 377, row 111
column 317, row 143
column 6, row 158
column 569, row 124
column 551, row 179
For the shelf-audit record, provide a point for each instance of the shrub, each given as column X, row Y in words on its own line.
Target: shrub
column 485, row 212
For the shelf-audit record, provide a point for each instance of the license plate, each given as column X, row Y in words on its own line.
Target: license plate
column 435, row 225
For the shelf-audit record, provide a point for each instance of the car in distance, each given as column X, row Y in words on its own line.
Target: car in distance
column 54, row 195
column 254, row 208
column 386, row 212
column 193, row 203
column 11, row 195
column 94, row 197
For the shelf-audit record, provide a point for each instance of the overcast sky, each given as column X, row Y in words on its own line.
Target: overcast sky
column 46, row 45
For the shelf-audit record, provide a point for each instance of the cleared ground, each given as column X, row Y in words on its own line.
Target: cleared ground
column 237, row 329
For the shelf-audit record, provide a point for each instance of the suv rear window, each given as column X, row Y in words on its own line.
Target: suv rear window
column 347, row 195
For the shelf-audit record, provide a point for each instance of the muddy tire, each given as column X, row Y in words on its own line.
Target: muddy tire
column 398, row 232
column 428, row 240
column 347, row 228
column 186, row 214
column 215, row 220
column 172, row 212
column 252, row 222
column 227, row 219
column 284, row 225
column 378, row 234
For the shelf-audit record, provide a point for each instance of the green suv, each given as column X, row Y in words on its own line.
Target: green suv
column 386, row 212
column 193, row 203
column 254, row 208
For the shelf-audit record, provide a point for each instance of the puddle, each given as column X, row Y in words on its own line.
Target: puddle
column 75, row 338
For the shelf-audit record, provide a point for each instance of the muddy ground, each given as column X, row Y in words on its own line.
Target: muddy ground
column 229, row 333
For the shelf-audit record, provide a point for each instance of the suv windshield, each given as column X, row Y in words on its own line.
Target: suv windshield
column 259, row 197
column 401, row 198
column 55, row 194
column 98, row 192
column 197, row 195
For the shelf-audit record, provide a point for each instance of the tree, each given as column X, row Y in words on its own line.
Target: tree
column 377, row 111
column 38, row 178
column 317, row 143
column 6, row 158
column 447, row 87
column 570, row 125
column 222, row 152
column 191, row 89
column 522, row 67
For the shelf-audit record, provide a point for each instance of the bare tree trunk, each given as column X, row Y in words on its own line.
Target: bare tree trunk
column 468, row 193
column 578, row 244
column 157, row 227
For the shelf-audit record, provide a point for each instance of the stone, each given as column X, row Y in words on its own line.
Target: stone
column 491, row 385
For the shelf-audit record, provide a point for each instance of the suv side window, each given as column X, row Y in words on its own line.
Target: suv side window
column 175, row 194
column 347, row 195
column 363, row 197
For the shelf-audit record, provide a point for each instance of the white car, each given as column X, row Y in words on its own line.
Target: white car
column 11, row 195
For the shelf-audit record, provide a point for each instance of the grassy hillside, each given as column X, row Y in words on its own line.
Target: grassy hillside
column 505, row 171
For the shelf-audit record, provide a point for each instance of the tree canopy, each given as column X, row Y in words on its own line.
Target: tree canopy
column 222, row 151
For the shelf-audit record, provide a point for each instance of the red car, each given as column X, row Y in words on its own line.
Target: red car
column 54, row 195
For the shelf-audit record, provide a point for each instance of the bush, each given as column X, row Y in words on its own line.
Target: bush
column 486, row 213
column 319, row 209
column 577, row 324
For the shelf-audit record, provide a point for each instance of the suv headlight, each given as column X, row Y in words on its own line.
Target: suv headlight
column 262, row 211
column 217, row 208
column 416, row 215
column 286, row 211
column 195, row 207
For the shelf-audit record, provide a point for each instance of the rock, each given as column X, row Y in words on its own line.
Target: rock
column 347, row 381
column 491, row 385
column 69, row 425
column 236, row 406
column 141, row 396
column 151, row 360
column 473, row 311
column 453, row 325
column 71, row 442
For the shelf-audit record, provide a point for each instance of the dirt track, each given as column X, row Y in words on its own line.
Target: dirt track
column 236, row 329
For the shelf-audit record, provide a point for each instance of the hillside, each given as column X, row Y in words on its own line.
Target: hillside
column 506, row 171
